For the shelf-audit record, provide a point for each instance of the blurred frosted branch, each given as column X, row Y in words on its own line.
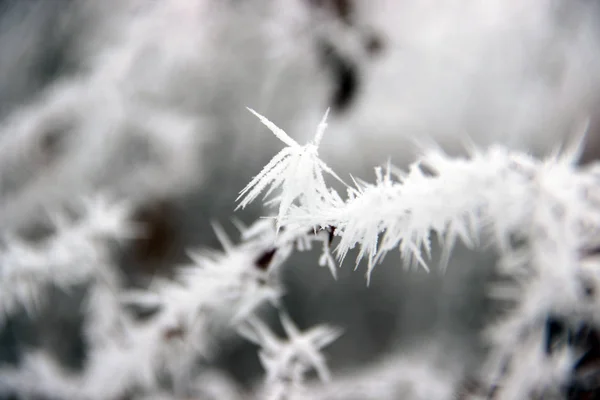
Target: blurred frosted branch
column 207, row 298
column 286, row 362
column 75, row 252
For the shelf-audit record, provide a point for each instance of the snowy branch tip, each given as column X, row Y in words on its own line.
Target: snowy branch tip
column 296, row 169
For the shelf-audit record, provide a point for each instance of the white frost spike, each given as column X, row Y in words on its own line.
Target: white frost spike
column 280, row 133
column 321, row 129
column 289, row 360
column 296, row 169
column 222, row 237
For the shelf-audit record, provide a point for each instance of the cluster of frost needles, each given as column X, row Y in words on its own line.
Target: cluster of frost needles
column 219, row 292
column 542, row 217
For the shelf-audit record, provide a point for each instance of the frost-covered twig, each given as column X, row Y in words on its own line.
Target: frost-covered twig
column 75, row 252
column 548, row 206
column 218, row 291
column 493, row 190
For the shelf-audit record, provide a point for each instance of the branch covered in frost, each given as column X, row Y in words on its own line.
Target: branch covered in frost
column 205, row 300
column 542, row 215
column 75, row 252
column 493, row 191
column 226, row 286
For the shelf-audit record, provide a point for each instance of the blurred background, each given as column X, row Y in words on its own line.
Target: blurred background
column 146, row 99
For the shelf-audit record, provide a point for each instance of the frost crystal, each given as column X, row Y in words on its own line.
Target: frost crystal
column 296, row 169
column 286, row 362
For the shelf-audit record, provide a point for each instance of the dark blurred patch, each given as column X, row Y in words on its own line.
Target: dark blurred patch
column 59, row 326
column 141, row 312
column 591, row 148
column 345, row 72
column 160, row 234
column 345, row 75
column 11, row 338
column 342, row 9
column 264, row 260
column 556, row 332
column 56, row 329
column 177, row 332
column 374, row 44
column 585, row 381
column 54, row 140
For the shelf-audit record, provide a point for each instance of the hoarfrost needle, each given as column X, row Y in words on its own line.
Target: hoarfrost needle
column 296, row 169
